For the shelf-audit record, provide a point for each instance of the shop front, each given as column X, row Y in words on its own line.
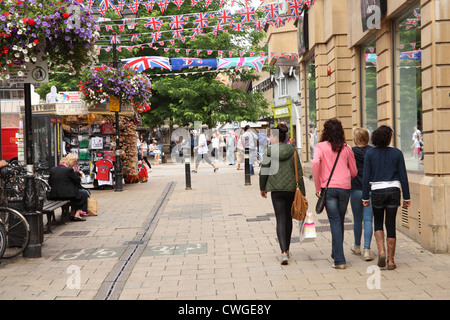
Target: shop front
column 386, row 67
column 88, row 133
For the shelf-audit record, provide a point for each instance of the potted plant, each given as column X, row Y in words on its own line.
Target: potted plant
column 98, row 84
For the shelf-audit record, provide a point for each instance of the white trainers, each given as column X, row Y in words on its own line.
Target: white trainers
column 355, row 249
column 368, row 256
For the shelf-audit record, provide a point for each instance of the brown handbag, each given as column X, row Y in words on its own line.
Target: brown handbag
column 300, row 204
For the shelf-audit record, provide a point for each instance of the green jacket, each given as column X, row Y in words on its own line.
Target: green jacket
column 277, row 171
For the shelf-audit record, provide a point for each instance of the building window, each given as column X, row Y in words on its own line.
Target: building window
column 311, row 106
column 369, row 118
column 283, row 86
column 408, row 87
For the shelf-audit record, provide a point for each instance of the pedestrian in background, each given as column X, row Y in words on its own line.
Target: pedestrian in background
column 384, row 174
column 157, row 135
column 202, row 153
column 250, row 140
column 282, row 185
column 332, row 143
column 361, row 215
column 231, row 148
column 240, row 150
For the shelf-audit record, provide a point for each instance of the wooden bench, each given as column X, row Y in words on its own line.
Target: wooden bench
column 49, row 208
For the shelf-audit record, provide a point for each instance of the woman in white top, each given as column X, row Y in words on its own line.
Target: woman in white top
column 202, row 152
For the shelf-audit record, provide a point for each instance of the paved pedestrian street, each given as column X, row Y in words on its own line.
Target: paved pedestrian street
column 156, row 240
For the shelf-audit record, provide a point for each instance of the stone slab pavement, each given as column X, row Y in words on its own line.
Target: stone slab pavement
column 158, row 241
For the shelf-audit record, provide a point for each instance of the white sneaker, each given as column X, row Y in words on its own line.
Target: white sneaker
column 368, row 255
column 355, row 249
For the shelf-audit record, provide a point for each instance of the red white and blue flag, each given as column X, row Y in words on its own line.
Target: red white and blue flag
column 248, row 14
column 143, row 63
column 134, row 6
column 224, row 16
column 201, row 20
column 272, row 10
column 155, row 23
column 180, row 63
column 252, row 62
column 149, row 5
column 177, row 22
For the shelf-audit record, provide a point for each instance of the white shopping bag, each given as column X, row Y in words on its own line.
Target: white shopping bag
column 307, row 228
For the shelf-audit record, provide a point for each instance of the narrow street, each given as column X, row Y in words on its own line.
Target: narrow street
column 156, row 240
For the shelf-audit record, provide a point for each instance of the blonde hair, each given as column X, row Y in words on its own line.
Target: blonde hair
column 67, row 160
column 360, row 136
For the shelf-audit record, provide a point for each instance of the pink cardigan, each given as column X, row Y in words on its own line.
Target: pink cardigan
column 323, row 162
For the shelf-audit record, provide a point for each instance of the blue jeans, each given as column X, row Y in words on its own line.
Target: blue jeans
column 336, row 206
column 361, row 214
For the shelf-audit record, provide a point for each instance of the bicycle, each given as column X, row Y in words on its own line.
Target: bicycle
column 16, row 228
column 17, row 233
column 3, row 240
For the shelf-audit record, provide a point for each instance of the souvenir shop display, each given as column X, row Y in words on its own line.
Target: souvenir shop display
column 92, row 139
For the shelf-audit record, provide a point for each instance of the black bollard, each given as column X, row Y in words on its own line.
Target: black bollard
column 247, row 168
column 187, row 167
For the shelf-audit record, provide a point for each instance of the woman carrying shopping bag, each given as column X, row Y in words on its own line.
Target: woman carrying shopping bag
column 277, row 175
column 331, row 146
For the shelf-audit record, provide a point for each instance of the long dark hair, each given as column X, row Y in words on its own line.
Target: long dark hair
column 334, row 134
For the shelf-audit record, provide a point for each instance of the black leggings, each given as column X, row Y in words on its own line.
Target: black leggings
column 282, row 203
column 391, row 213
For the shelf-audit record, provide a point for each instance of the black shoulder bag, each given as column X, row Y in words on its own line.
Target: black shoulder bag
column 323, row 193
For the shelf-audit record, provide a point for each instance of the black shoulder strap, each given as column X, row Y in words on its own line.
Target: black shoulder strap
column 334, row 166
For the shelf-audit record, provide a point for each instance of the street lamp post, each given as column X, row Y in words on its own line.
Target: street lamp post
column 118, row 187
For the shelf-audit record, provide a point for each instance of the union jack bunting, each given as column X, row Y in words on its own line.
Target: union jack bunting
column 135, row 37
column 149, row 5
column 248, row 14
column 194, row 2
column 178, row 3
column 162, row 4
column 143, row 63
column 89, row 3
column 177, row 34
column 201, row 20
column 252, row 62
column 155, row 36
column 117, row 10
column 114, row 39
column 197, row 31
column 121, row 27
column 238, row 26
column 134, row 6
column 224, row 16
column 207, row 3
column 296, row 7
column 109, row 28
column 272, row 10
column 121, row 4
column 155, row 23
column 177, row 22
column 105, row 4
column 259, row 24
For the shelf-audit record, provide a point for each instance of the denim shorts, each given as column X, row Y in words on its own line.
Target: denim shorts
column 386, row 198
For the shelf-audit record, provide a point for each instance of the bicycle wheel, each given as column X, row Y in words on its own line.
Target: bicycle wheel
column 17, row 232
column 2, row 240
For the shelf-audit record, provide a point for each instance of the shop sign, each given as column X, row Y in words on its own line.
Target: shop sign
column 114, row 104
column 281, row 112
column 66, row 109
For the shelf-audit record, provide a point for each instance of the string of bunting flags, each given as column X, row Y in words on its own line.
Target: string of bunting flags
column 119, row 5
column 140, row 64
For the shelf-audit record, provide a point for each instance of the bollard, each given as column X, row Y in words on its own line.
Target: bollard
column 247, row 168
column 187, row 167
column 34, row 218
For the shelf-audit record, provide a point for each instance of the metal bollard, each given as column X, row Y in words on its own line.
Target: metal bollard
column 247, row 168
column 187, row 166
column 34, row 218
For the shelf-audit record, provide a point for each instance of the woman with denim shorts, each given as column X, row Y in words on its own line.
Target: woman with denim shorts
column 326, row 151
column 384, row 174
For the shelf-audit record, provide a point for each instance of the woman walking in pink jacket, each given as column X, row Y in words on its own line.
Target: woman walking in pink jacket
column 332, row 143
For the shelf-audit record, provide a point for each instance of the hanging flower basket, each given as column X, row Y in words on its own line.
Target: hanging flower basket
column 99, row 83
column 63, row 32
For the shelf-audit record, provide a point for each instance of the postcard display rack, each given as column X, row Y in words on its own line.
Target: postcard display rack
column 92, row 139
